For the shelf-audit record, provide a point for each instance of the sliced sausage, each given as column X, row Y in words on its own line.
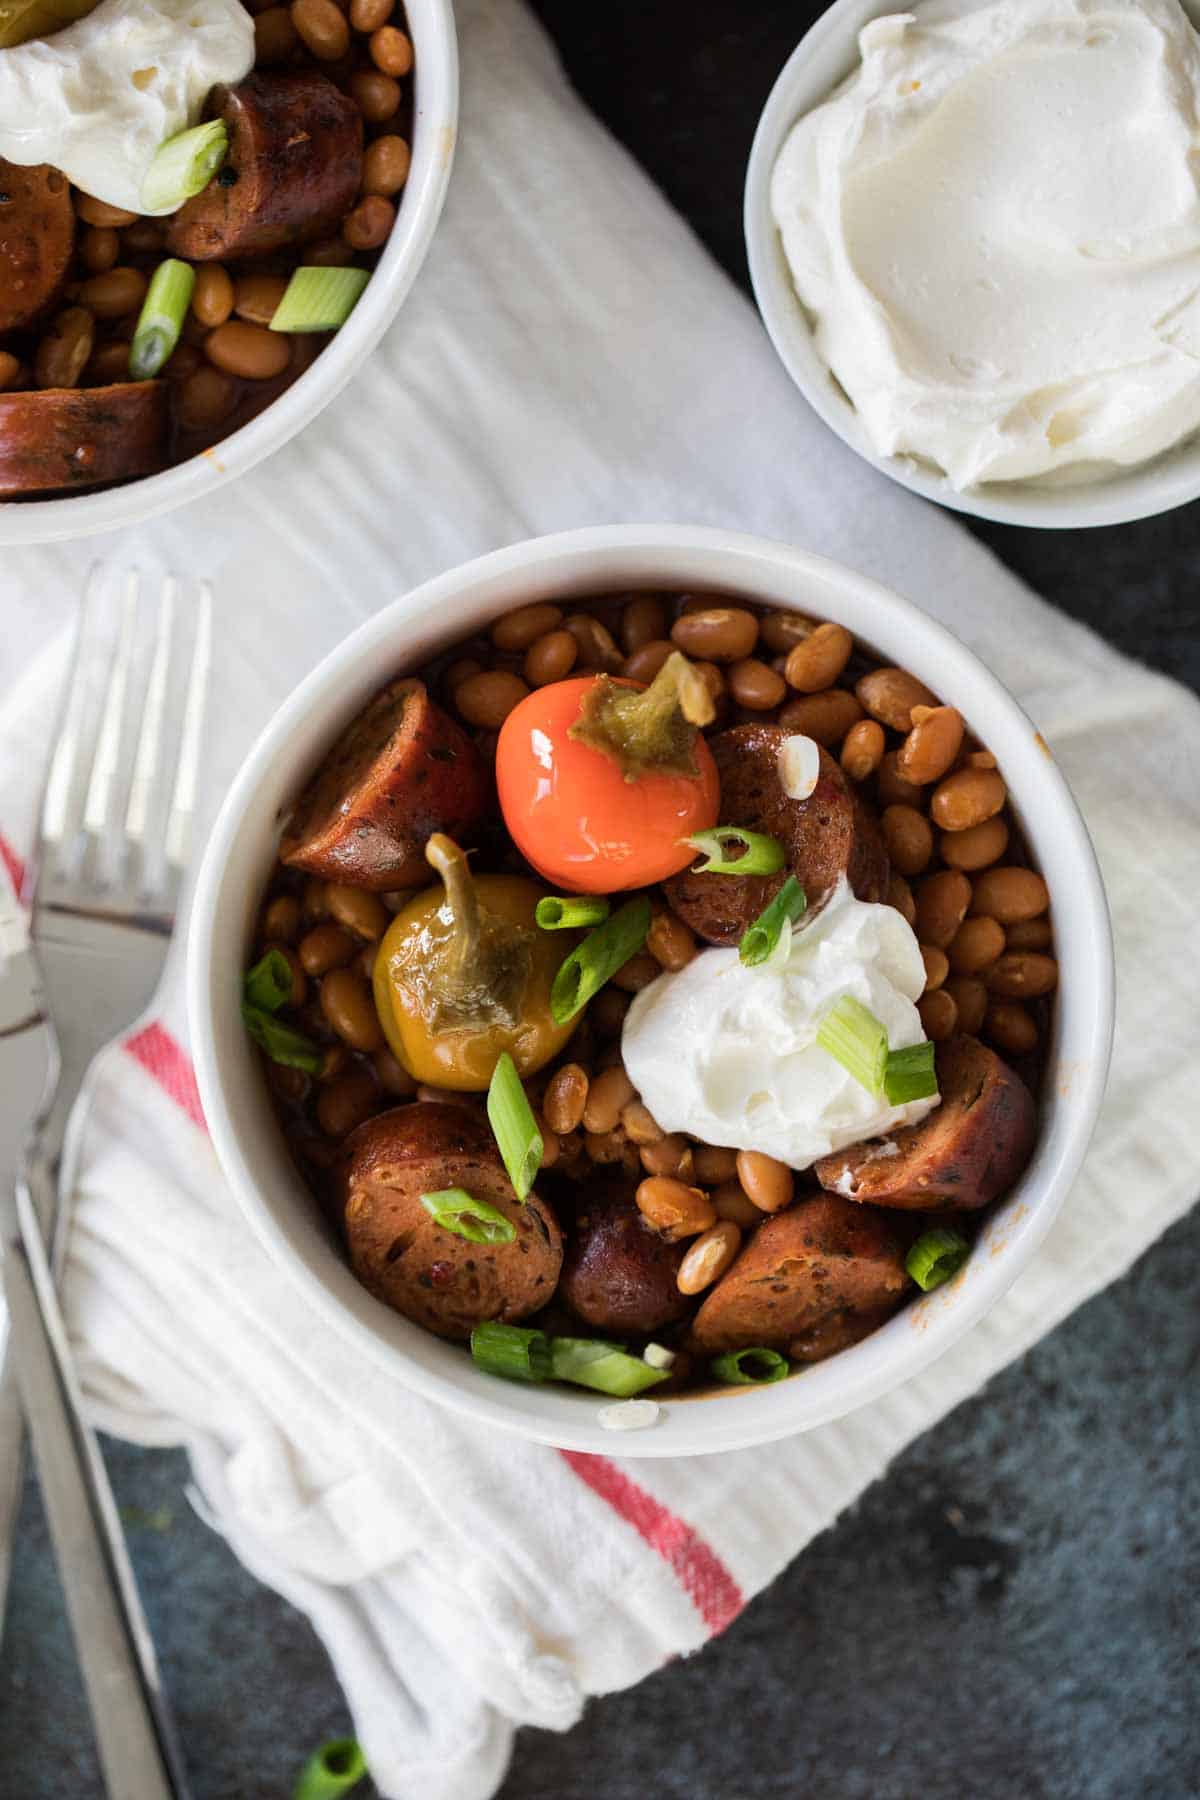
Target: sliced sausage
column 293, row 169
column 435, row 1278
column 969, row 1149
column 401, row 771
column 826, row 836
column 37, row 237
column 803, row 1271
column 56, row 439
column 619, row 1273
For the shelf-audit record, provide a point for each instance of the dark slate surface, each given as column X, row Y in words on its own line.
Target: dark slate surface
column 1010, row 1613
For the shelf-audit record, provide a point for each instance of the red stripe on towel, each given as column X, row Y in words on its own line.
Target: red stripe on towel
column 703, row 1576
column 159, row 1054
column 14, row 864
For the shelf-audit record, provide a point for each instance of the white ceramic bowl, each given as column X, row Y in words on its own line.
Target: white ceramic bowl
column 238, row 862
column 435, row 123
column 823, row 59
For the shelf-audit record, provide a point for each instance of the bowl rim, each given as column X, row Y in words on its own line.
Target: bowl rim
column 455, row 601
column 1141, row 492
column 435, row 127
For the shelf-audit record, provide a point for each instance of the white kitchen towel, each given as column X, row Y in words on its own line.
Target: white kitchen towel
column 569, row 356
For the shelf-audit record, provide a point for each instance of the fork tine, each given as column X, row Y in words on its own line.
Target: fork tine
column 62, row 778
column 183, row 797
column 97, row 808
column 149, row 744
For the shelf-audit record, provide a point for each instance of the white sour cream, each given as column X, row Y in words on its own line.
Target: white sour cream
column 98, row 98
column 729, row 1054
column 995, row 222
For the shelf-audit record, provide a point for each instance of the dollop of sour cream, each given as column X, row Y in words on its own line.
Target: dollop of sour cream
column 98, row 98
column 996, row 223
column 729, row 1053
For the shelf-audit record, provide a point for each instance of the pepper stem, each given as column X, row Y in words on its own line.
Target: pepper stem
column 651, row 730
column 450, row 862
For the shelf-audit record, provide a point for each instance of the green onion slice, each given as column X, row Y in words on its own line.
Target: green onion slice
column 161, row 318
column 856, row 1038
column 761, row 938
column 511, row 1351
column 936, row 1256
column 183, row 165
column 909, row 1074
column 281, row 1043
column 319, row 299
column 762, row 855
column 750, row 1367
column 605, row 1367
column 600, row 955
column 332, row 1770
column 476, row 1220
column 269, row 982
column 558, row 912
column 514, row 1126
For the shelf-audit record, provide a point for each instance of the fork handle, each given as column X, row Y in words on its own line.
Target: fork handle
column 137, row 1754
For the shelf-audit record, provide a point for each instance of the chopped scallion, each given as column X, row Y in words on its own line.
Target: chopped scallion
column 281, row 1043
column 319, row 299
column 161, row 318
column 761, row 855
column 751, row 1367
column 936, row 1256
column 600, row 955
column 331, row 1771
column 511, row 1351
column 855, row 1037
column 558, row 912
column 604, row 1367
column 269, row 982
column 183, row 165
column 909, row 1074
column 761, row 938
column 514, row 1126
column 467, row 1217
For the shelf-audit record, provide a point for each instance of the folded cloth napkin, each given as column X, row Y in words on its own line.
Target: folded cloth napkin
column 569, row 356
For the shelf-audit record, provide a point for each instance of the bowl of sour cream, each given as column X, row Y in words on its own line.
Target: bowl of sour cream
column 974, row 236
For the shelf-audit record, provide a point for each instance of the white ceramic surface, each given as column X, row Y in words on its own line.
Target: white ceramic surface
column 435, row 124
column 823, row 59
column 594, row 561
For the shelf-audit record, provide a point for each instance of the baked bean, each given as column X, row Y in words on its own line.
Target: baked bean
column 637, row 973
column 670, row 942
column 250, row 352
column 392, row 1076
column 937, row 967
column 932, row 745
column 391, row 50
column 330, row 253
column 10, row 369
column 184, row 360
column 670, row 1155
column 517, row 630
column 604, row 1147
column 1023, row 975
column 765, row 1180
column 549, row 658
column 607, row 1011
column 643, row 621
column 275, row 37
column 889, row 695
column 281, row 920
column 205, row 399
column 98, row 212
column 607, row 1094
column 257, row 297
column 780, row 630
column 376, row 95
column 971, row 998
column 1010, row 1027
column 714, row 1164
column 59, row 359
column 551, row 1145
column 1011, row 895
column 347, row 1005
column 709, row 1257
column 674, row 1208
column 99, row 248
column 369, row 15
column 939, row 1015
column 370, row 222
column 900, row 895
column 644, row 663
column 597, row 646
column 1030, row 934
column 486, row 700
column 359, row 911
column 346, row 1103
column 893, row 790
column 444, row 1096
column 334, row 1061
column 908, row 838
column 755, row 685
column 314, row 900
column 862, row 751
column 366, row 960
column 978, row 759
column 942, row 902
column 641, row 1127
column 290, row 1084
column 713, row 680
column 114, row 293
column 826, row 717
column 299, row 993
column 145, row 237
column 731, row 1202
column 815, row 663
column 458, row 671
column 565, row 1098
column 966, row 798
column 110, row 362
column 976, row 944
column 386, row 164
column 323, row 28
column 721, row 634
column 212, row 296
column 977, row 847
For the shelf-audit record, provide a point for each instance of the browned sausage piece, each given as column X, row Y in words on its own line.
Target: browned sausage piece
column 969, row 1149
column 293, row 170
column 435, row 1278
column 828, row 835
column 808, row 1267
column 619, row 1274
column 402, row 770
column 37, row 236
column 55, row 439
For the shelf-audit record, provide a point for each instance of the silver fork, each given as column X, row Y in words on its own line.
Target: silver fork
column 112, row 851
